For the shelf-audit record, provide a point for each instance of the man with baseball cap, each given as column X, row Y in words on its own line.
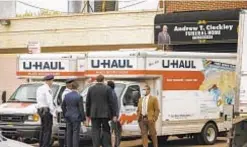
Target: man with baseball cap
column 68, row 87
column 46, row 111
column 67, row 90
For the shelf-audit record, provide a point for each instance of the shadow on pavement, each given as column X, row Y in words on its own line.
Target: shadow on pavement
column 185, row 143
column 221, row 142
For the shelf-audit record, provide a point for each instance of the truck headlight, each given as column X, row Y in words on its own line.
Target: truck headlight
column 34, row 117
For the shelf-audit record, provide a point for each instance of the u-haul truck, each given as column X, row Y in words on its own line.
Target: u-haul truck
column 18, row 116
column 195, row 90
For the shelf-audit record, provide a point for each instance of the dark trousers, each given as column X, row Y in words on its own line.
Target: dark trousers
column 65, row 138
column 46, row 130
column 116, row 131
column 73, row 134
column 97, row 123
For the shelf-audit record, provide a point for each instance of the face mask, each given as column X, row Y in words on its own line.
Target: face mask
column 143, row 92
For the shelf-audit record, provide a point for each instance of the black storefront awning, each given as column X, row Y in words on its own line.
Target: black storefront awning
column 197, row 29
column 194, row 16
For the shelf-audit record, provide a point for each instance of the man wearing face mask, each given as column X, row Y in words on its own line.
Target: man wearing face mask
column 147, row 114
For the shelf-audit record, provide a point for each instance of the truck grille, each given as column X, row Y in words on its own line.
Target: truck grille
column 12, row 118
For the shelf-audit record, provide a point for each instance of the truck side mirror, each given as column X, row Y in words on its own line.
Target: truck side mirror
column 4, row 97
column 135, row 97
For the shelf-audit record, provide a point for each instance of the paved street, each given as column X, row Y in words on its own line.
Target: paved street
column 174, row 142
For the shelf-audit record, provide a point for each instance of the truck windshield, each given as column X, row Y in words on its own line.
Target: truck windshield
column 119, row 87
column 27, row 92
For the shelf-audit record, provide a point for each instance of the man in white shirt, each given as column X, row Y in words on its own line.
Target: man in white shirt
column 68, row 87
column 46, row 110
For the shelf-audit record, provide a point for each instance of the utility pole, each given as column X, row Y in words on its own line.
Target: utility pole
column 103, row 5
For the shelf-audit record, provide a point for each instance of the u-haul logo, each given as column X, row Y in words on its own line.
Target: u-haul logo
column 178, row 64
column 43, row 66
column 112, row 64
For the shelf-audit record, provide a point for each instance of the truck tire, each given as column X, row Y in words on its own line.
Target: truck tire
column 61, row 142
column 209, row 134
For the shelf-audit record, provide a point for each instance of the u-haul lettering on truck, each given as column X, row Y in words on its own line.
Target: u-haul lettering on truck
column 43, row 65
column 117, row 63
column 174, row 64
column 178, row 64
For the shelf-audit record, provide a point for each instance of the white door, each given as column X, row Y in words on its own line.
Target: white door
column 157, row 91
column 128, row 111
column 241, row 103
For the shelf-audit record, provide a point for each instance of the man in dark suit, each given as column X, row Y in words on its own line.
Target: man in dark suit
column 73, row 112
column 101, row 108
column 116, row 129
column 164, row 37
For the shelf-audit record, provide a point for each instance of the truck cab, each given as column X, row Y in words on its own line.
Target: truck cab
column 18, row 116
column 128, row 93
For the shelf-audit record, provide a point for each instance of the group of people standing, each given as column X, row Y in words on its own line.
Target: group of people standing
column 101, row 107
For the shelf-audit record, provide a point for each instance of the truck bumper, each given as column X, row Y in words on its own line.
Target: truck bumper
column 83, row 135
column 24, row 130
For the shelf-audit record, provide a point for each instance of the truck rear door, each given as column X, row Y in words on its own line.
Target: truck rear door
column 241, row 100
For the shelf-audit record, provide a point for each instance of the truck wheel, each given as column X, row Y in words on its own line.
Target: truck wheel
column 209, row 134
column 61, row 142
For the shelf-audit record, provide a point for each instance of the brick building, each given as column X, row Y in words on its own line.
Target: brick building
column 195, row 13
column 178, row 6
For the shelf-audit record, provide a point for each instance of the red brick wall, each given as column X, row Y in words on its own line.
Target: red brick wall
column 172, row 6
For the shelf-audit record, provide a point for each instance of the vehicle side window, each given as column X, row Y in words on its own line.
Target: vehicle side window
column 131, row 96
column 59, row 98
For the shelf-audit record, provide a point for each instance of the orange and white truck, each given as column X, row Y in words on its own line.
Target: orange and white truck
column 196, row 91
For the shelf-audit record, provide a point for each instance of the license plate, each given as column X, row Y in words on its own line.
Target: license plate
column 10, row 124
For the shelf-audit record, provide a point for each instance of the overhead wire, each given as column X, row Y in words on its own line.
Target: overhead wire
column 33, row 6
column 37, row 7
column 133, row 4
